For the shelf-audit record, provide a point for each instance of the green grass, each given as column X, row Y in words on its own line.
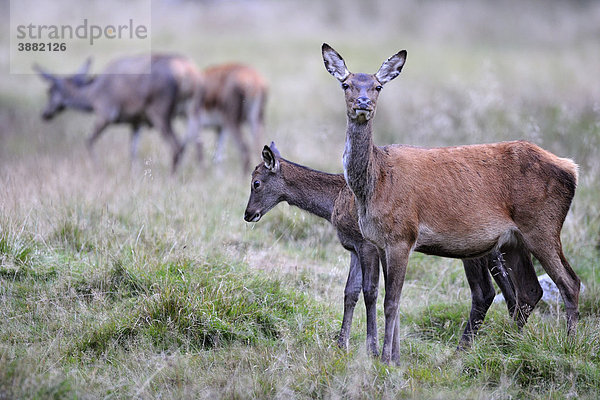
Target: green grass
column 129, row 282
column 196, row 312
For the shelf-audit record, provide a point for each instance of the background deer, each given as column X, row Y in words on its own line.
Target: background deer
column 235, row 95
column 458, row 202
column 327, row 196
column 138, row 90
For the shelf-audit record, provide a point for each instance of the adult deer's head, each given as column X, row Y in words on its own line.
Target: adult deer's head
column 361, row 90
column 62, row 88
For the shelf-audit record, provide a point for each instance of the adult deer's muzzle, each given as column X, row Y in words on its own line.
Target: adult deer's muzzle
column 363, row 103
column 51, row 110
column 363, row 107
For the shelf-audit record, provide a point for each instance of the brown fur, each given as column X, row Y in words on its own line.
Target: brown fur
column 525, row 178
column 328, row 196
column 138, row 90
column 235, row 95
column 458, row 201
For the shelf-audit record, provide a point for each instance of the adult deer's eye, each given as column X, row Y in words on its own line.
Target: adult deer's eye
column 345, row 86
column 256, row 184
column 378, row 88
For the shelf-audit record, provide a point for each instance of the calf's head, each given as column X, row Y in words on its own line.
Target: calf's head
column 267, row 187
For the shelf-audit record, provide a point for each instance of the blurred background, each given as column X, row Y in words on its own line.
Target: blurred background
column 476, row 72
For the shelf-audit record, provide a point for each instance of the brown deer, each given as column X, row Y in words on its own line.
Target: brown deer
column 235, row 95
column 327, row 196
column 138, row 90
column 461, row 202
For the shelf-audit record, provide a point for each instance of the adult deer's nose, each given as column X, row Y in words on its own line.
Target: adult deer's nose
column 363, row 103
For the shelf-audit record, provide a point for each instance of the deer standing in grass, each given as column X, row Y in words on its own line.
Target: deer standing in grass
column 137, row 90
column 235, row 94
column 327, row 196
column 460, row 202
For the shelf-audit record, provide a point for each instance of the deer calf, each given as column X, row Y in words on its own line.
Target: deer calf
column 138, row 90
column 461, row 202
column 327, row 196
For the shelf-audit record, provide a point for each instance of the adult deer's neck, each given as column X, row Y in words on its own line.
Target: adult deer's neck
column 358, row 158
column 311, row 190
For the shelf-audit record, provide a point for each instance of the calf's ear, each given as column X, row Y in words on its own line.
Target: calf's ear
column 270, row 160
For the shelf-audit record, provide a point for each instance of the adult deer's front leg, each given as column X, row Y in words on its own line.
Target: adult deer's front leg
column 99, row 125
column 396, row 261
column 369, row 261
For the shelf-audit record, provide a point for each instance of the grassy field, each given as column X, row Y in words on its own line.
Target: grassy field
column 121, row 281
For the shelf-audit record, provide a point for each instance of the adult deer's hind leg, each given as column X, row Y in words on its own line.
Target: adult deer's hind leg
column 482, row 295
column 499, row 271
column 548, row 251
column 527, row 287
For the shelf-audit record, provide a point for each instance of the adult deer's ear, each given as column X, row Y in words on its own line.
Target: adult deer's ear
column 81, row 77
column 85, row 67
column 334, row 63
column 44, row 74
column 271, row 161
column 391, row 67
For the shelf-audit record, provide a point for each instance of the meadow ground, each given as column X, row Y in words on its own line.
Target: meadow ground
column 121, row 281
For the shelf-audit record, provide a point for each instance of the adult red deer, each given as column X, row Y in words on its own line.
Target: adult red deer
column 458, row 202
column 235, row 95
column 137, row 90
column 327, row 196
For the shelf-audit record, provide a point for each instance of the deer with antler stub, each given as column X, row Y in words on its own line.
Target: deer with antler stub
column 327, row 196
column 136, row 90
column 461, row 202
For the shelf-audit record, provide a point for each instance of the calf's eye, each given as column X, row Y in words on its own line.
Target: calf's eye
column 256, row 184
